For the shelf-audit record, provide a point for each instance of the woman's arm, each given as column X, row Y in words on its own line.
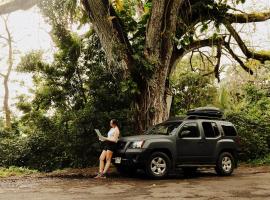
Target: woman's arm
column 115, row 136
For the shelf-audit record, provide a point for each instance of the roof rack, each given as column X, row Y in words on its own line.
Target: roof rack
column 176, row 118
column 203, row 117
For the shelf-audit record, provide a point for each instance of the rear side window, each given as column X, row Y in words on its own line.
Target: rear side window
column 210, row 129
column 229, row 130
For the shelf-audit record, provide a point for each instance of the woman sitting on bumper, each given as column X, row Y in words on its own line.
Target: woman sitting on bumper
column 109, row 146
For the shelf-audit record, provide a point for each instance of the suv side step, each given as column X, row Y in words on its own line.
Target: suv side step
column 193, row 165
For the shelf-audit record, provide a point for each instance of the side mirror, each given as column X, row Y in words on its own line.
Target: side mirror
column 184, row 133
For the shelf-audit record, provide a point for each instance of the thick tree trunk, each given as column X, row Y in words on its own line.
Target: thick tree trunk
column 155, row 101
column 153, row 104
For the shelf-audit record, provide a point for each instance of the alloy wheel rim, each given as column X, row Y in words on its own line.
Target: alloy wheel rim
column 226, row 164
column 158, row 166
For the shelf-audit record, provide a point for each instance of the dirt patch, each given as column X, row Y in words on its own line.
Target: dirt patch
column 246, row 183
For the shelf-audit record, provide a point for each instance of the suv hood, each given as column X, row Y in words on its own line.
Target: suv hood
column 142, row 137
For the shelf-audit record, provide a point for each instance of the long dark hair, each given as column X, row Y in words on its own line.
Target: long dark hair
column 115, row 122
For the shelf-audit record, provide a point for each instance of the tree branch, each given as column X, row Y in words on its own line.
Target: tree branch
column 161, row 29
column 248, row 17
column 169, row 29
column 242, row 64
column 217, row 66
column 3, row 75
column 3, row 37
column 10, row 47
column 249, row 54
column 154, row 29
column 109, row 29
column 14, row 5
column 179, row 53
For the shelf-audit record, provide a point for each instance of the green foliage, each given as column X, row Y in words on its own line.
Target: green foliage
column 135, row 28
column 224, row 100
column 31, row 63
column 190, row 88
column 74, row 94
column 261, row 161
column 252, row 121
column 78, row 92
column 15, row 171
column 61, row 12
column 12, row 151
column 245, row 101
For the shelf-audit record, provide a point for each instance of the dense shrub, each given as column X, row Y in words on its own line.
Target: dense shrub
column 254, row 135
column 251, row 117
column 72, row 96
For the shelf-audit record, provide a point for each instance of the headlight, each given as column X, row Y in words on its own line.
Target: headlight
column 136, row 144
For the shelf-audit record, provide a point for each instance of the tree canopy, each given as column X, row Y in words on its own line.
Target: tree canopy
column 148, row 38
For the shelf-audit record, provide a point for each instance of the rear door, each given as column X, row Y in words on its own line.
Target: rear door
column 211, row 135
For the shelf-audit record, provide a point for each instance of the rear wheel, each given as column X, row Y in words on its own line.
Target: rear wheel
column 158, row 165
column 225, row 164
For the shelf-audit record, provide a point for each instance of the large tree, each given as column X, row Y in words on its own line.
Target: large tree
column 146, row 38
column 168, row 34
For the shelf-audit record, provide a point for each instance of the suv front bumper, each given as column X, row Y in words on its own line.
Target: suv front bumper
column 132, row 157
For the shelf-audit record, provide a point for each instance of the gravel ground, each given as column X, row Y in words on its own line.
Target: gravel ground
column 246, row 183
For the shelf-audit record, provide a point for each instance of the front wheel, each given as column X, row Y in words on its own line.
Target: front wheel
column 225, row 164
column 158, row 165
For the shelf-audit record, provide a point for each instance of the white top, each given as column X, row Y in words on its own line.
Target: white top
column 111, row 132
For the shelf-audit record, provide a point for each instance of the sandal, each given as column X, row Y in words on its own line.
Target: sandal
column 98, row 175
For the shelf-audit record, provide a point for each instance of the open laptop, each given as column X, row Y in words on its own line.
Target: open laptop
column 100, row 136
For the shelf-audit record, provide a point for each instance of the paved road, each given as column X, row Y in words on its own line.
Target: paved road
column 246, row 183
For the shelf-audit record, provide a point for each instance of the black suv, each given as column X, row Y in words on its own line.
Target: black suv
column 202, row 139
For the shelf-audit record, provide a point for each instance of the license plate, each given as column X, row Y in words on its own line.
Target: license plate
column 118, row 160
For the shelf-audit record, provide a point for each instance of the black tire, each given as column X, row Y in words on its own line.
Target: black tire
column 189, row 171
column 225, row 164
column 126, row 170
column 158, row 165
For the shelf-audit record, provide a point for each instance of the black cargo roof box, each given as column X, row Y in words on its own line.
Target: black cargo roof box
column 206, row 112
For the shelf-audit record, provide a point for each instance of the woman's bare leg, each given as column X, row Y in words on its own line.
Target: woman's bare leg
column 108, row 161
column 101, row 161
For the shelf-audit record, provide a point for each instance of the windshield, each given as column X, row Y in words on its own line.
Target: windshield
column 163, row 128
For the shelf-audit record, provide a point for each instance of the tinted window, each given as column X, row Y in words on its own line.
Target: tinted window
column 215, row 127
column 229, row 130
column 164, row 128
column 210, row 129
column 193, row 130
